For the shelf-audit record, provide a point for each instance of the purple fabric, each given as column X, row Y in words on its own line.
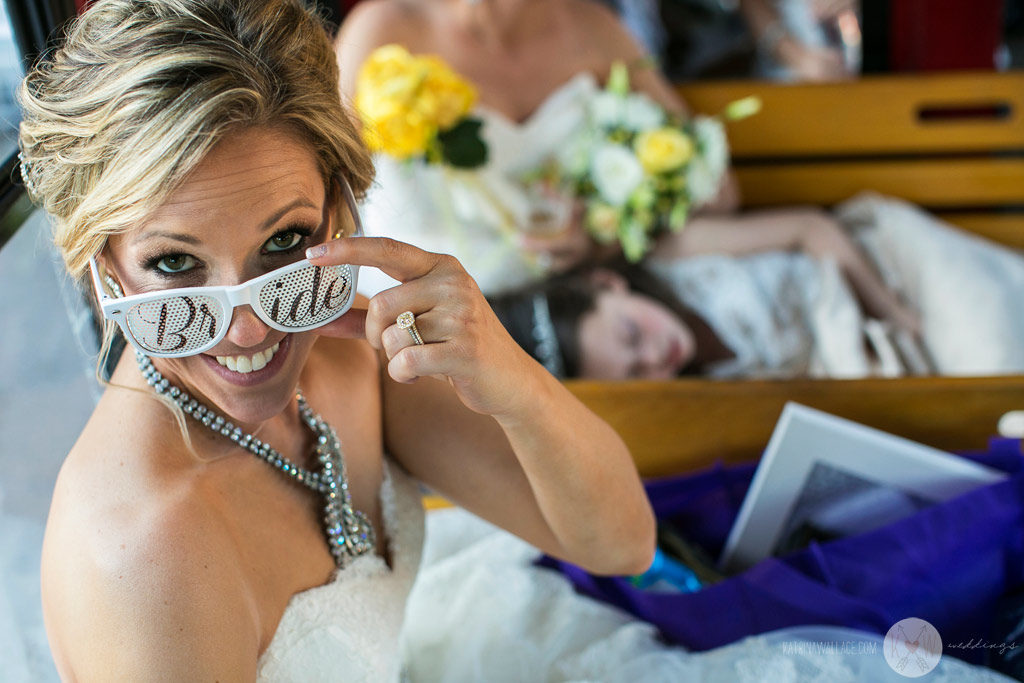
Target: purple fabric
column 949, row 564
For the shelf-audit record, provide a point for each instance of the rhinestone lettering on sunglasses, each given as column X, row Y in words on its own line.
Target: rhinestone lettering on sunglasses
column 305, row 297
column 175, row 325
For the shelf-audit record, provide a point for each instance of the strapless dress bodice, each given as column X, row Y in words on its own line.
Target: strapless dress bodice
column 348, row 629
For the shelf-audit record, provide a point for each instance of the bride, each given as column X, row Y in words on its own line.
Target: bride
column 212, row 522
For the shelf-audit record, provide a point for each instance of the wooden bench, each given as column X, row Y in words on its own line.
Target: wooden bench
column 952, row 143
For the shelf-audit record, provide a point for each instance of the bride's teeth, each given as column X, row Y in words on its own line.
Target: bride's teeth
column 246, row 364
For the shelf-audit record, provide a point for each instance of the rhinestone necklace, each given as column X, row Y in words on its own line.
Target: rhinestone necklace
column 349, row 532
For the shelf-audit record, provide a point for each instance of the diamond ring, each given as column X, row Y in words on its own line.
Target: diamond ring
column 407, row 321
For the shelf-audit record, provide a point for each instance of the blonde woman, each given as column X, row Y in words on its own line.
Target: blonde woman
column 212, row 523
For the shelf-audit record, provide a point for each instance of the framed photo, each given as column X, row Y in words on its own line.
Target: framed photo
column 823, row 477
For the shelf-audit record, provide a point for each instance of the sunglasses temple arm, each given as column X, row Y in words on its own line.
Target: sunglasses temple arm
column 97, row 283
column 350, row 199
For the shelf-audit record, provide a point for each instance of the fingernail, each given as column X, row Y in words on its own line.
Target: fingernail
column 316, row 252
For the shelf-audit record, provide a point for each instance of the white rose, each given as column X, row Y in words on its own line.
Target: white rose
column 574, row 156
column 641, row 113
column 701, row 183
column 616, row 173
column 607, row 109
column 713, row 145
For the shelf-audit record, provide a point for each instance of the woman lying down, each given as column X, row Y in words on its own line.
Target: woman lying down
column 881, row 289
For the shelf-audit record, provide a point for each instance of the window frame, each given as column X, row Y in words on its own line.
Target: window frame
column 35, row 25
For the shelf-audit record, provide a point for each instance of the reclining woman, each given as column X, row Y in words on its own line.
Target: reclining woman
column 893, row 291
column 212, row 522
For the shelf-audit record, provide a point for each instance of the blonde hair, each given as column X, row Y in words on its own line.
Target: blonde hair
column 140, row 92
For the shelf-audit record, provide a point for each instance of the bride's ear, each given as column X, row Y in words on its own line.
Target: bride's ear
column 605, row 279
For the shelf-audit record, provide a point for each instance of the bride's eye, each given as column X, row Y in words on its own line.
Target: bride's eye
column 176, row 263
column 284, row 241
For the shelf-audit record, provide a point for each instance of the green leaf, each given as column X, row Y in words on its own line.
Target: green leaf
column 633, row 237
column 741, row 109
column 618, row 79
column 677, row 217
column 462, row 146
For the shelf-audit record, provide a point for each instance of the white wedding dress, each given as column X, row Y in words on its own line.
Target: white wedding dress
column 480, row 611
column 475, row 215
column 348, row 630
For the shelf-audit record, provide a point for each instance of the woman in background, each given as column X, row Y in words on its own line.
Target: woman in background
column 536, row 64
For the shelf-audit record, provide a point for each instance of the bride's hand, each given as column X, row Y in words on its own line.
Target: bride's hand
column 464, row 342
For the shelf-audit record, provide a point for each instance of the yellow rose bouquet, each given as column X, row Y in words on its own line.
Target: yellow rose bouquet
column 416, row 107
column 640, row 170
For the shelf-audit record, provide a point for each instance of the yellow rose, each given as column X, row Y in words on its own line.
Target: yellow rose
column 448, row 96
column 403, row 135
column 663, row 149
column 403, row 100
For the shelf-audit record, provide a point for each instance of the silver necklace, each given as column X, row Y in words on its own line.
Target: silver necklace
column 349, row 531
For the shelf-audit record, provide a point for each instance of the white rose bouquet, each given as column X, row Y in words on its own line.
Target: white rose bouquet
column 640, row 170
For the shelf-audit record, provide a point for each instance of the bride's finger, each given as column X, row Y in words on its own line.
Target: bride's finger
column 401, row 261
column 420, row 361
column 418, row 296
column 430, row 327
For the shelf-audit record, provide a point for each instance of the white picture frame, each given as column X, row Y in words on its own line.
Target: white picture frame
column 807, row 441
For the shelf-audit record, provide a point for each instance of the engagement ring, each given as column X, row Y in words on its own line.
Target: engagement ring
column 407, row 321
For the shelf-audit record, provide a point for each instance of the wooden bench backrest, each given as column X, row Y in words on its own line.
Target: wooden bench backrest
column 687, row 424
column 952, row 143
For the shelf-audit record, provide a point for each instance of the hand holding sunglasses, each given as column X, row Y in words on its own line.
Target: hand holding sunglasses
column 436, row 323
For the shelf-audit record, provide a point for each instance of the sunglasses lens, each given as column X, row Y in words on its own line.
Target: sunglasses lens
column 307, row 297
column 176, row 325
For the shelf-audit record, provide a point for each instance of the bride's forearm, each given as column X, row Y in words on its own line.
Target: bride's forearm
column 584, row 480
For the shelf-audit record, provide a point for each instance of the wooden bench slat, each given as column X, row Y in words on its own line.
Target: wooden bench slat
column 687, row 424
column 1003, row 228
column 933, row 183
column 870, row 115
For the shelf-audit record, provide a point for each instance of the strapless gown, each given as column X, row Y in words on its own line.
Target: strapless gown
column 348, row 630
column 480, row 611
column 477, row 216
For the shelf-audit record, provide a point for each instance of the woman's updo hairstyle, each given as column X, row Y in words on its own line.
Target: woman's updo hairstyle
column 141, row 90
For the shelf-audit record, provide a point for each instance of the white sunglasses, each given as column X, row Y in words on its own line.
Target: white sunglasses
column 186, row 321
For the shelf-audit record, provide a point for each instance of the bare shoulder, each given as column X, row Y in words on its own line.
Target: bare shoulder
column 140, row 577
column 603, row 27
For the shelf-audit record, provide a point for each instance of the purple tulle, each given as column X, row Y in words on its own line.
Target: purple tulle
column 950, row 564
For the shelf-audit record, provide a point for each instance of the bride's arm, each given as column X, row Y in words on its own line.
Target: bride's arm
column 470, row 414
